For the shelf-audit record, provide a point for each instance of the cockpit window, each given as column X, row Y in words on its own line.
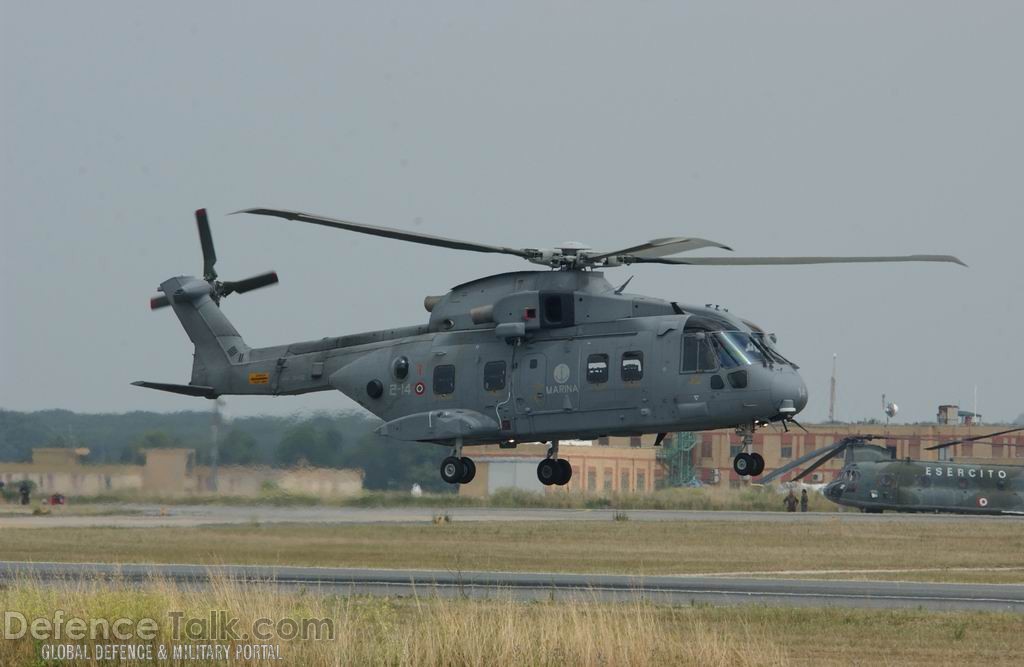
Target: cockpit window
column 768, row 347
column 739, row 348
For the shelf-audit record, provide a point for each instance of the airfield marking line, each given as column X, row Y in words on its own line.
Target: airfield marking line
column 631, row 589
column 868, row 571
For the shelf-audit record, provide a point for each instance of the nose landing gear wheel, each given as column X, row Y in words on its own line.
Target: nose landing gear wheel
column 743, row 464
column 453, row 470
column 758, row 464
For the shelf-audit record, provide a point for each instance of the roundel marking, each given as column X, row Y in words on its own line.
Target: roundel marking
column 561, row 373
column 983, row 502
column 419, row 388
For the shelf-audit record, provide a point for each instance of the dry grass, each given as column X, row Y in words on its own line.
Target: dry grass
column 433, row 631
column 984, row 550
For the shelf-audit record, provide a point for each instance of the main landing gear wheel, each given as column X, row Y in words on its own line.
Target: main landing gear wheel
column 743, row 464
column 554, row 471
column 566, row 468
column 453, row 470
column 470, row 470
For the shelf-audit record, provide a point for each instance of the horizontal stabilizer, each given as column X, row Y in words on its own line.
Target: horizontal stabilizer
column 186, row 389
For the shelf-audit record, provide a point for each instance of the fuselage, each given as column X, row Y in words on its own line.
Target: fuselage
column 519, row 357
column 541, row 356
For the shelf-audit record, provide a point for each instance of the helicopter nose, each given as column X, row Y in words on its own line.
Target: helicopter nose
column 789, row 393
column 834, row 489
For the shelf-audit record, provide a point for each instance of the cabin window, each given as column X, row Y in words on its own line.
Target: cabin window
column 494, row 375
column 698, row 356
column 886, row 480
column 444, row 379
column 597, row 368
column 632, row 366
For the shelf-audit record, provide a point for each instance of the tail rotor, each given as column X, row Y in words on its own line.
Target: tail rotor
column 217, row 289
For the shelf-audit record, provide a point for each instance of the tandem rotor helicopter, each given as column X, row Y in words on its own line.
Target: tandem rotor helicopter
column 527, row 356
column 873, row 480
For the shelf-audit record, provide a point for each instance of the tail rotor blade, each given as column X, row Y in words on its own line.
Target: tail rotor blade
column 160, row 301
column 206, row 241
column 249, row 284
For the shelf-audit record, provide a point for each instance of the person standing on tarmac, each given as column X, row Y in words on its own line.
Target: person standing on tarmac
column 790, row 501
column 803, row 500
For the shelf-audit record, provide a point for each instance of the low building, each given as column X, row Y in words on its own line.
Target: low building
column 608, row 465
column 632, row 465
column 171, row 472
column 715, row 450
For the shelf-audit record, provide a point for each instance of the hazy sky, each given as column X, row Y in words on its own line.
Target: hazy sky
column 776, row 128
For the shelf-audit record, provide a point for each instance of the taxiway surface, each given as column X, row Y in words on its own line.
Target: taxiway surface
column 528, row 585
column 150, row 516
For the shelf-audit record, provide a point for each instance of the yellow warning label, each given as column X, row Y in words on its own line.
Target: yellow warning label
column 259, row 378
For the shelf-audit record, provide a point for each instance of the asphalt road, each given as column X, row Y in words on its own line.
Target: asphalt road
column 148, row 516
column 526, row 585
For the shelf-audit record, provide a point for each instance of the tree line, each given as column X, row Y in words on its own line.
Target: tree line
column 328, row 440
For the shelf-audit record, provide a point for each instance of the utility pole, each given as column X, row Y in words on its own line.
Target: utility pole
column 832, row 393
column 215, row 441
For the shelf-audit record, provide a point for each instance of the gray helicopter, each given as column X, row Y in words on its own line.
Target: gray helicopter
column 529, row 356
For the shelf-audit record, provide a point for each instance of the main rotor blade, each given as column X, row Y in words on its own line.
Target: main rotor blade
column 660, row 248
column 973, row 438
column 387, row 232
column 206, row 241
column 773, row 261
column 249, row 284
column 843, row 444
column 796, row 463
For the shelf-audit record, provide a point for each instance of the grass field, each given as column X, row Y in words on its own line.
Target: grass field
column 432, row 631
column 967, row 551
column 754, row 498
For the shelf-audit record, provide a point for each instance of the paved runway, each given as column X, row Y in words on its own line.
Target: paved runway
column 148, row 516
column 526, row 585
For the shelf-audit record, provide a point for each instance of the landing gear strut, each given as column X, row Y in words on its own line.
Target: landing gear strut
column 553, row 470
column 458, row 469
column 744, row 464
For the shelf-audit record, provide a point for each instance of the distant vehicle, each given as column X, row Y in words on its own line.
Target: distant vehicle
column 874, row 481
column 529, row 356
